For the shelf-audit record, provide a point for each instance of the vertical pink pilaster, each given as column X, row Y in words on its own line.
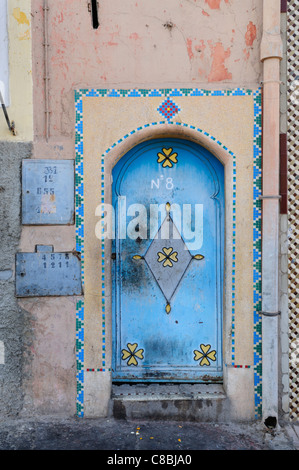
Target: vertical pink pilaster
column 271, row 54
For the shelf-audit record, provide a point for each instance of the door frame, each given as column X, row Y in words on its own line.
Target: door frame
column 101, row 140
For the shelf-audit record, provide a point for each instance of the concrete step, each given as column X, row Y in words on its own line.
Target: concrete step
column 191, row 402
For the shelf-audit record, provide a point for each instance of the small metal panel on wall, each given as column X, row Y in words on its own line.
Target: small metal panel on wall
column 48, row 273
column 48, row 198
column 48, row 192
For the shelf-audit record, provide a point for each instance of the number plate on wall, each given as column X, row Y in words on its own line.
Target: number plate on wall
column 47, row 192
column 46, row 273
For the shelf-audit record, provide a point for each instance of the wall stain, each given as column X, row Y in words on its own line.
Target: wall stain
column 20, row 16
column 25, row 36
column 189, row 48
column 134, row 36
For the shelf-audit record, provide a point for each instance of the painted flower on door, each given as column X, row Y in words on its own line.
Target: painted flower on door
column 168, row 257
column 131, row 354
column 167, row 157
column 205, row 355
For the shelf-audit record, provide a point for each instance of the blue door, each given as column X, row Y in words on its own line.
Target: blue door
column 168, row 256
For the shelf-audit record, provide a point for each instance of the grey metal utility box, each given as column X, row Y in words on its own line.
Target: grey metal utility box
column 48, row 192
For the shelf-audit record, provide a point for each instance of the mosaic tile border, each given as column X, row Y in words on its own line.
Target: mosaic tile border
column 257, row 250
column 80, row 356
column 79, row 222
column 168, row 93
column 159, row 92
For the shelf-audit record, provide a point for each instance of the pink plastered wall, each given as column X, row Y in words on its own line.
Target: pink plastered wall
column 140, row 43
column 213, row 44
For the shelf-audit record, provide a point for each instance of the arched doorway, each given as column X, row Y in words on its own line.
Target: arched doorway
column 167, row 275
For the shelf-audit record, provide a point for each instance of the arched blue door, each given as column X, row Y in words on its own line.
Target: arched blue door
column 168, row 252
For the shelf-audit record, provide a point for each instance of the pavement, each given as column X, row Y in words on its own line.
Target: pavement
column 129, row 437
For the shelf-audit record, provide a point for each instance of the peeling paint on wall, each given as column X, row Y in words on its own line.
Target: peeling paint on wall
column 218, row 70
column 133, row 36
column 189, row 48
column 25, row 36
column 250, row 35
column 21, row 17
column 214, row 4
column 48, row 204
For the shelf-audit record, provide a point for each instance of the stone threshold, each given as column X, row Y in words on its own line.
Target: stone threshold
column 186, row 402
column 158, row 392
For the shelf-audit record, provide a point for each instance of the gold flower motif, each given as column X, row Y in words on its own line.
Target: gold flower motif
column 205, row 355
column 167, row 157
column 168, row 256
column 131, row 354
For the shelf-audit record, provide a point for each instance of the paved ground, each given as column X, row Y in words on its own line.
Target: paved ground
column 121, row 435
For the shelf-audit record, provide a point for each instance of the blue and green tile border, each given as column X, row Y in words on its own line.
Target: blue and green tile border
column 257, row 249
column 165, row 93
